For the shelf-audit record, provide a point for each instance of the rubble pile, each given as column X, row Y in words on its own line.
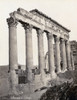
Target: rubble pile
column 65, row 91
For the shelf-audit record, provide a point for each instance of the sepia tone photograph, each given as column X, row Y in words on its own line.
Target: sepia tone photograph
column 38, row 49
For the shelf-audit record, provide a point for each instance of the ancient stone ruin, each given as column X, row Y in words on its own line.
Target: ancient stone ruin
column 54, row 31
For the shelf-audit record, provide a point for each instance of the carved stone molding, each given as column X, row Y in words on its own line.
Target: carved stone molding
column 12, row 22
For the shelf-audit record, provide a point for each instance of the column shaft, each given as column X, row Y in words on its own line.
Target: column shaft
column 63, row 53
column 69, row 67
column 13, row 52
column 29, row 51
column 57, row 46
column 72, row 61
column 51, row 55
column 41, row 53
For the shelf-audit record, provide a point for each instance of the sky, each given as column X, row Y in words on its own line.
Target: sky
column 63, row 11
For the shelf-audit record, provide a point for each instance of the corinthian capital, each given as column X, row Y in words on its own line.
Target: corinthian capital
column 39, row 32
column 49, row 35
column 62, row 41
column 27, row 26
column 57, row 39
column 12, row 22
column 67, row 42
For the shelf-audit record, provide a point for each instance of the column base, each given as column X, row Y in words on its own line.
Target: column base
column 59, row 71
column 13, row 77
column 70, row 68
column 63, row 71
column 53, row 75
column 42, row 77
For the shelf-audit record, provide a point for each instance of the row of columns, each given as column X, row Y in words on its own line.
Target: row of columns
column 29, row 51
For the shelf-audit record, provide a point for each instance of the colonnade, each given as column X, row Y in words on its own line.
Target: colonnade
column 13, row 61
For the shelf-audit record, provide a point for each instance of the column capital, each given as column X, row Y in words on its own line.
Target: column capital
column 67, row 42
column 57, row 39
column 27, row 26
column 39, row 32
column 49, row 36
column 12, row 22
column 62, row 40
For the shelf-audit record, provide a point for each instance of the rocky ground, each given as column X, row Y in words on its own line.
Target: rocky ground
column 64, row 87
column 65, row 91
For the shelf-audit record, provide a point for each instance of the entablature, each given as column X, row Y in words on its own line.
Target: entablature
column 40, row 22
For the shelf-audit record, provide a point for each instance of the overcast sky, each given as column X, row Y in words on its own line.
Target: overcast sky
column 63, row 11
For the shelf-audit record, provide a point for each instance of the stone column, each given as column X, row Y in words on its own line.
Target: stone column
column 57, row 46
column 63, row 53
column 29, row 51
column 13, row 52
column 51, row 55
column 69, row 67
column 72, row 61
column 41, row 53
